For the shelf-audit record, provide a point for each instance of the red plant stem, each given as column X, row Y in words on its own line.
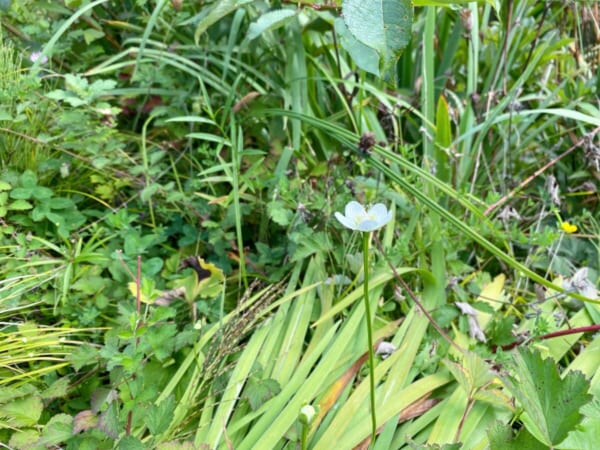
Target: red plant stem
column 554, row 334
column 138, row 285
column 138, row 298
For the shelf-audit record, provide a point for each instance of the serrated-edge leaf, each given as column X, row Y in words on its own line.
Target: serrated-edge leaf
column 84, row 420
column 24, row 439
column 551, row 404
column 57, row 389
column 23, row 411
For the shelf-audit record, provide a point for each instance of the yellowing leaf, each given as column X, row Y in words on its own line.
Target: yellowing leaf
column 493, row 295
column 212, row 285
column 148, row 294
column 207, row 280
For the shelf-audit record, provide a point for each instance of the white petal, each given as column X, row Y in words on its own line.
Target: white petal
column 378, row 210
column 466, row 308
column 386, row 219
column 385, row 349
column 345, row 221
column 354, row 210
column 475, row 330
column 379, row 213
column 367, row 225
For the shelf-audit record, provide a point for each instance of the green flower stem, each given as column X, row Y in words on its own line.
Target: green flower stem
column 304, row 437
column 366, row 237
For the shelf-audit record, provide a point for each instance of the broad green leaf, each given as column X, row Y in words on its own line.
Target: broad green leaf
column 90, row 35
column 41, row 193
column 58, row 430
column 551, row 404
column 5, row 115
column 149, row 191
column 257, row 392
column 585, row 437
column 22, row 412
column 102, row 396
column 57, row 389
column 109, row 421
column 279, row 213
column 151, row 266
column 364, row 56
column 20, row 205
column 501, row 438
column 159, row 417
column 162, row 339
column 383, row 25
column 28, row 179
column 130, row 443
column 205, row 282
column 60, row 203
column 8, row 394
column 24, row 439
column 4, row 186
column 21, row 193
column 269, row 21
column 472, row 373
column 66, row 96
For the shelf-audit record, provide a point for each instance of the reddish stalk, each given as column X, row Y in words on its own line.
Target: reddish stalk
column 586, row 329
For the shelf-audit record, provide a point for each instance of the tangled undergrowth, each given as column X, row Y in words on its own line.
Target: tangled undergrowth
column 172, row 273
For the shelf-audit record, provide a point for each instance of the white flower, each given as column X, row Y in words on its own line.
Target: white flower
column 581, row 284
column 475, row 330
column 338, row 280
column 307, row 414
column 359, row 219
column 38, row 55
column 385, row 349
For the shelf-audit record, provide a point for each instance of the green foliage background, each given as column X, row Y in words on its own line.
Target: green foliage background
column 171, row 274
